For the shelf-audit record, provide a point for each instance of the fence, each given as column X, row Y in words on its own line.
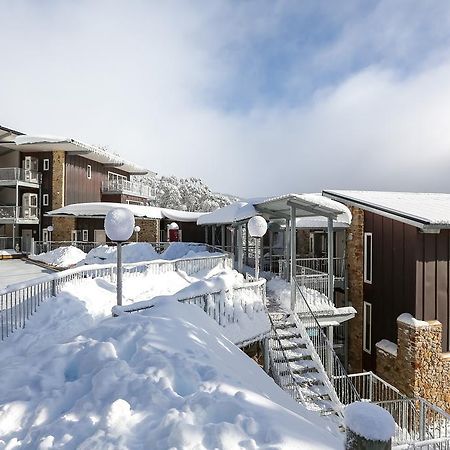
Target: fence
column 9, row 243
column 321, row 265
column 19, row 301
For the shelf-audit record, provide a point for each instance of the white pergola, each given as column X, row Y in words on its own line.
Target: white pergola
column 289, row 207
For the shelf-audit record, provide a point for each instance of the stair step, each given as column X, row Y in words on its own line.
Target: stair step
column 287, row 334
column 289, row 345
column 285, row 326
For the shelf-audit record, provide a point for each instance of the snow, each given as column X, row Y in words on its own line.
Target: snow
column 119, row 224
column 235, row 212
column 322, row 222
column 241, row 210
column 432, row 208
column 387, row 346
column 25, row 139
column 61, row 257
column 369, row 421
column 131, row 253
column 408, row 319
column 8, row 251
column 165, row 378
column 101, row 209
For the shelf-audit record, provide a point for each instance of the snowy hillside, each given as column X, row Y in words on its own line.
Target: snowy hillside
column 78, row 378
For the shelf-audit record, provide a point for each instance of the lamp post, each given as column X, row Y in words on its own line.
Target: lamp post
column 49, row 237
column 119, row 226
column 257, row 228
column 137, row 228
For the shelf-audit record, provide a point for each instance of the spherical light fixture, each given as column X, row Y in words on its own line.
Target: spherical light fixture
column 257, row 226
column 137, row 229
column 173, row 226
column 119, row 224
column 50, row 228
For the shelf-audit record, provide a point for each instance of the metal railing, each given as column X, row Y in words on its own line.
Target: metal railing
column 419, row 424
column 128, row 187
column 9, row 243
column 308, row 324
column 19, row 301
column 19, row 212
column 373, row 388
column 18, row 174
column 321, row 265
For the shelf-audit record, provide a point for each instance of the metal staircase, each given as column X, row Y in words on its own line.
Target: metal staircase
column 303, row 362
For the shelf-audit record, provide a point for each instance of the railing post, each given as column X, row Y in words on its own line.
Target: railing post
column 266, row 355
column 371, row 387
column 422, row 421
column 330, row 260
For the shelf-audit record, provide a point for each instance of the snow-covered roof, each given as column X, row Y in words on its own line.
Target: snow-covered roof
column 100, row 209
column 307, row 205
column 422, row 210
column 94, row 153
column 321, row 222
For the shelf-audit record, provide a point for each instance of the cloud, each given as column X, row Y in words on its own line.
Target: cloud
column 255, row 98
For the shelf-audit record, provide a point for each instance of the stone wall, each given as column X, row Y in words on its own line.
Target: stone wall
column 354, row 251
column 416, row 365
column 149, row 230
column 62, row 228
column 58, row 174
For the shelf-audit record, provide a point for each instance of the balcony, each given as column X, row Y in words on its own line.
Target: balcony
column 128, row 188
column 10, row 176
column 19, row 214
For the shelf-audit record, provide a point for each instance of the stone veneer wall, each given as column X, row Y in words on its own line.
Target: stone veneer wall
column 58, row 174
column 149, row 230
column 354, row 251
column 62, row 228
column 416, row 365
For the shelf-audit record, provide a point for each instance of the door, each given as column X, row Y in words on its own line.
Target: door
column 27, row 236
column 100, row 236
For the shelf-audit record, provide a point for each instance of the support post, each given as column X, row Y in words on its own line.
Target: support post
column 330, row 261
column 246, row 247
column 206, row 234
column 286, row 251
column 266, row 355
column 257, row 250
column 239, row 248
column 119, row 273
column 330, row 362
column 213, row 236
column 293, row 256
column 222, row 232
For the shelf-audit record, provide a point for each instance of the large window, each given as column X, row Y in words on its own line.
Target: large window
column 368, row 258
column 116, row 178
column 367, row 331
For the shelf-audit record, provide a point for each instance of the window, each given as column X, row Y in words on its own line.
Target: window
column 46, row 164
column 85, row 235
column 367, row 331
column 45, row 235
column 45, row 200
column 74, row 235
column 368, row 258
column 89, row 172
column 116, row 178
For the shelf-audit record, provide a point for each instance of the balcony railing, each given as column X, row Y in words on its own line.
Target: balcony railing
column 18, row 174
column 128, row 187
column 19, row 212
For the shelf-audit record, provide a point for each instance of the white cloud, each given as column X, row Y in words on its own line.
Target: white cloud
column 142, row 77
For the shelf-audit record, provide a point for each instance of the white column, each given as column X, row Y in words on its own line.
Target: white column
column 330, row 261
column 293, row 255
column 239, row 248
column 222, row 232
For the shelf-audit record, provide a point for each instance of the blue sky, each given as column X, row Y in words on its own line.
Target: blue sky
column 255, row 97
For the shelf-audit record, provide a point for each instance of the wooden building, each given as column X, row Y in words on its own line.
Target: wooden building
column 398, row 253
column 41, row 174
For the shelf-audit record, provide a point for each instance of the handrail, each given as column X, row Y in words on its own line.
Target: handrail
column 344, row 388
column 19, row 301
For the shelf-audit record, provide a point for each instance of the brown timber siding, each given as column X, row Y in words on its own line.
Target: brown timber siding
column 432, row 280
column 80, row 189
column 392, row 291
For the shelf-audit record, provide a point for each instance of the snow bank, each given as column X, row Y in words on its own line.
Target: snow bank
column 178, row 250
column 77, row 378
column 131, row 253
column 369, row 421
column 61, row 257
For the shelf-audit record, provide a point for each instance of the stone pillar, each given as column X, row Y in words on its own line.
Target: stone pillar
column 149, row 230
column 417, row 366
column 62, row 228
column 58, row 176
column 355, row 268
